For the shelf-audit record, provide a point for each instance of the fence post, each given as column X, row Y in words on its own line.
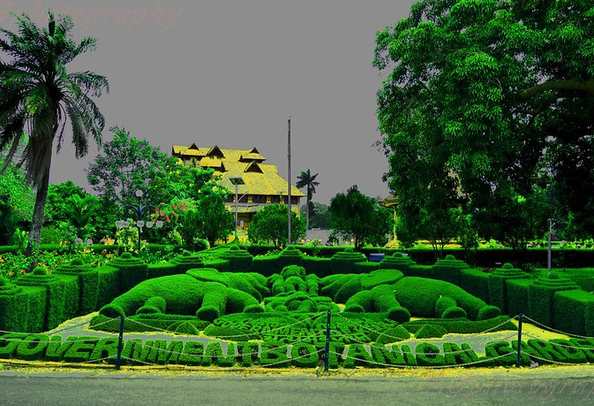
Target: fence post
column 120, row 343
column 519, row 359
column 327, row 342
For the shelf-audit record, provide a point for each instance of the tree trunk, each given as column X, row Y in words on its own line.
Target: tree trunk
column 38, row 215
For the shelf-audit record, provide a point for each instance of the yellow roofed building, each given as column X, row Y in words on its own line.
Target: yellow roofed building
column 262, row 183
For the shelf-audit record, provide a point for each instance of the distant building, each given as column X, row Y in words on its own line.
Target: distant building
column 262, row 183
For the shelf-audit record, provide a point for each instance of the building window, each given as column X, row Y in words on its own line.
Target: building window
column 259, row 199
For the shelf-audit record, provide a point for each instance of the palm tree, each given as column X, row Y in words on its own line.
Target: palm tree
column 38, row 96
column 306, row 179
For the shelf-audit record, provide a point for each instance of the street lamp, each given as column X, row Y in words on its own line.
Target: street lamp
column 236, row 181
column 139, row 210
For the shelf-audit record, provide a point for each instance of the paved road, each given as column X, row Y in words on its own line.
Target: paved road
column 91, row 388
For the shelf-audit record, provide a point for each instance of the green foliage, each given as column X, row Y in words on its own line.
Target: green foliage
column 344, row 262
column 498, row 285
column 123, row 165
column 421, row 302
column 356, row 216
column 209, row 219
column 16, row 202
column 430, row 331
column 429, row 354
column 270, row 224
column 478, row 104
column 448, row 269
column 541, row 296
column 393, row 335
column 569, row 310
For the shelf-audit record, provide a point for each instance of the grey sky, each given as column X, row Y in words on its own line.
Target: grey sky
column 231, row 72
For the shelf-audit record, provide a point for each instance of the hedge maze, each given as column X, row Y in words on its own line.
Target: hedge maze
column 238, row 310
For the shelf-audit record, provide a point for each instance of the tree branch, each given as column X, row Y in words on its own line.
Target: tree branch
column 573, row 84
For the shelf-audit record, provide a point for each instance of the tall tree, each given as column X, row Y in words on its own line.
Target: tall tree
column 271, row 222
column 498, row 94
column 356, row 216
column 39, row 95
column 124, row 165
column 306, row 179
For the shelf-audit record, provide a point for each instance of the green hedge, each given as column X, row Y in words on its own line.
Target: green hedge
column 365, row 267
column 399, row 262
column 476, row 283
column 162, row 269
column 448, row 269
column 132, row 271
column 289, row 256
column 517, row 295
column 265, row 265
column 56, row 296
column 569, row 310
column 108, row 284
column 541, row 296
column 317, row 266
column 463, row 326
column 239, row 260
column 88, row 284
column 344, row 262
column 187, row 261
column 419, row 296
column 498, row 281
column 14, row 304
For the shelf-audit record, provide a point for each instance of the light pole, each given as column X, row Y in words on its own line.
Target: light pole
column 139, row 210
column 236, row 181
column 551, row 232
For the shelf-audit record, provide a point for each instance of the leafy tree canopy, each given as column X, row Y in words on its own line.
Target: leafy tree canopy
column 356, row 216
column 497, row 95
column 124, row 166
column 271, row 224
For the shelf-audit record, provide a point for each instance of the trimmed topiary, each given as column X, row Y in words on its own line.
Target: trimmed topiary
column 488, row 312
column 448, row 269
column 430, row 331
column 239, row 260
column 398, row 314
column 429, row 355
column 399, row 262
column 541, row 296
column 498, row 281
column 344, row 262
column 132, row 271
column 393, row 335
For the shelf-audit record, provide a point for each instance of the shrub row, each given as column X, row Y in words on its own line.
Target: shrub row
column 273, row 354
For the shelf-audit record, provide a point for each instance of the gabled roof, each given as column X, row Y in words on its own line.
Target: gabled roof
column 215, row 151
column 253, row 167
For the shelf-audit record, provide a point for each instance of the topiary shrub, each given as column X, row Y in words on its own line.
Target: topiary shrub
column 289, row 256
column 132, row 271
column 430, row 331
column 429, row 355
column 393, row 335
column 344, row 262
column 541, row 296
column 448, row 269
column 399, row 262
column 488, row 312
column 398, row 314
column 239, row 260
column 454, row 313
column 40, row 270
column 498, row 282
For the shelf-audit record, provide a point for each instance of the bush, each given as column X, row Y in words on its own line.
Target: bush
column 569, row 310
column 429, row 354
column 239, row 260
column 393, row 335
column 132, row 271
column 344, row 262
column 498, row 282
column 448, row 269
column 56, row 296
column 430, row 331
column 399, row 262
column 517, row 295
column 419, row 296
column 476, row 283
column 541, row 296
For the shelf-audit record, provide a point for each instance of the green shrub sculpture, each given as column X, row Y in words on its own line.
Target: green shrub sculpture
column 344, row 262
column 498, row 282
column 448, row 269
column 420, row 296
column 249, row 283
column 399, row 262
column 239, row 260
column 132, row 271
column 88, row 281
column 541, row 296
column 183, row 294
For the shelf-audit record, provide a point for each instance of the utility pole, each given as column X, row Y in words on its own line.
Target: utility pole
column 289, row 182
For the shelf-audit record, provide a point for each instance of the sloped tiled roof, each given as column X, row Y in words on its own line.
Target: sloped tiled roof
column 259, row 178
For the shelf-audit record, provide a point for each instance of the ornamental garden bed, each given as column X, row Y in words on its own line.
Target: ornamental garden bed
column 237, row 310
